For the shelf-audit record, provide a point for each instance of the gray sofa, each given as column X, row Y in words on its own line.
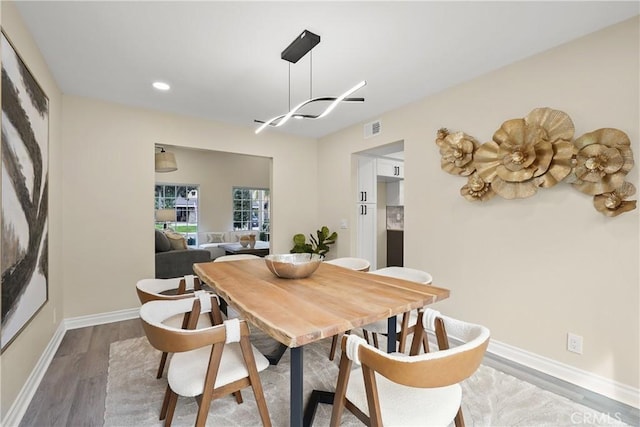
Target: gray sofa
column 176, row 262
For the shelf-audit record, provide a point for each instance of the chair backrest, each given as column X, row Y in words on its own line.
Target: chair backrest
column 235, row 257
column 171, row 339
column 405, row 273
column 359, row 264
column 435, row 369
column 152, row 289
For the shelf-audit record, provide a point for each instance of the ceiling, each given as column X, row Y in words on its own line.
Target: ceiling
column 222, row 59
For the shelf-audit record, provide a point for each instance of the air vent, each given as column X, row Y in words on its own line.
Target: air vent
column 372, row 129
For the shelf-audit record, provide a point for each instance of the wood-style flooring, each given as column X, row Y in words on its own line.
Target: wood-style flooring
column 74, row 388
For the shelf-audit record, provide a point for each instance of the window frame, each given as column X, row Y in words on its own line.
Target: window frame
column 187, row 215
column 255, row 209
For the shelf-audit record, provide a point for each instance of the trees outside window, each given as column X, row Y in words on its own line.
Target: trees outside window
column 251, row 210
column 184, row 199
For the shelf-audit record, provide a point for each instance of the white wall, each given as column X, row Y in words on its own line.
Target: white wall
column 216, row 173
column 23, row 353
column 532, row 270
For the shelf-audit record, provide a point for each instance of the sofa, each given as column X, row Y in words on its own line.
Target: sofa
column 213, row 240
column 173, row 257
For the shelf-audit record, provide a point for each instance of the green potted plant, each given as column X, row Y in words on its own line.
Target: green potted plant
column 318, row 244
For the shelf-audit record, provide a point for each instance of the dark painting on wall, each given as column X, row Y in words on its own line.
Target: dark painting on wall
column 25, row 145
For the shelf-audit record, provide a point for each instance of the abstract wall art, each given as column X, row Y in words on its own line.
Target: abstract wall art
column 25, row 145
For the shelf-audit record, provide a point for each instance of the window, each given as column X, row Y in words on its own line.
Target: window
column 251, row 210
column 184, row 199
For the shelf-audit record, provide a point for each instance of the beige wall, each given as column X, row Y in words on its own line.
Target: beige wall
column 532, row 270
column 216, row 173
column 21, row 356
column 108, row 155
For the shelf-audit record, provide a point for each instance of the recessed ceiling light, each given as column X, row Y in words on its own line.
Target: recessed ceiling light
column 161, row 86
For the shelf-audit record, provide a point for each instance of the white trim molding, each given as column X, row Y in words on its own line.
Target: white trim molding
column 20, row 405
column 101, row 318
column 612, row 389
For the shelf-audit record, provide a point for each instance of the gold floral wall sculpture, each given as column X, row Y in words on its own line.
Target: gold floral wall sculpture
column 538, row 151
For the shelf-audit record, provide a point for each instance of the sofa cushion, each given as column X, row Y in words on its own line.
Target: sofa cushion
column 215, row 237
column 176, row 240
column 162, row 243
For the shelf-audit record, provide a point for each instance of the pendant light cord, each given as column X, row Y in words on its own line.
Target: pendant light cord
column 289, row 86
column 311, row 75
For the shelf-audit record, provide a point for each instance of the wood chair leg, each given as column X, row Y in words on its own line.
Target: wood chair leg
column 339, row 399
column 254, row 379
column 366, row 336
column 171, row 408
column 165, row 403
column 238, row 396
column 163, row 360
column 375, row 339
column 334, row 345
column 261, row 402
column 404, row 332
column 203, row 409
column 459, row 419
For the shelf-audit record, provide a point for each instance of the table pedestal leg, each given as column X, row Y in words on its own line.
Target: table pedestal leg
column 295, row 377
column 391, row 334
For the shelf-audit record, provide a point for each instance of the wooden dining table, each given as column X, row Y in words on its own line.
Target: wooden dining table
column 296, row 312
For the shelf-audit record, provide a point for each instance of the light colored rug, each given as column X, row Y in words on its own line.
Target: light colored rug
column 490, row 397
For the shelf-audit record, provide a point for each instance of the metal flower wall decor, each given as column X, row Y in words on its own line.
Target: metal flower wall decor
column 539, row 151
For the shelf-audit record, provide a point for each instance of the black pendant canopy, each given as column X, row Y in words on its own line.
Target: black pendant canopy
column 300, row 46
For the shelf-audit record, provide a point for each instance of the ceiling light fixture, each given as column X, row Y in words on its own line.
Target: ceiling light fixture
column 161, row 86
column 296, row 50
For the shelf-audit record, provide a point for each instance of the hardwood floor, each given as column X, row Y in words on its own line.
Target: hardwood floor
column 73, row 390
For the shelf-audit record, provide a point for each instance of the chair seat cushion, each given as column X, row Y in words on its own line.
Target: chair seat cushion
column 187, row 370
column 407, row 406
column 204, row 321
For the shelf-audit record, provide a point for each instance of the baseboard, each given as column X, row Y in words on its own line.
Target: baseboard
column 20, row 405
column 587, row 380
column 101, row 318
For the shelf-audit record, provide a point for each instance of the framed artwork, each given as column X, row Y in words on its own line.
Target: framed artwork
column 25, row 202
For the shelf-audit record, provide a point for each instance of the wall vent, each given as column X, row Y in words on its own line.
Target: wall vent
column 372, row 129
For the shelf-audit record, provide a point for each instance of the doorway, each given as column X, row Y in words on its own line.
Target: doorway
column 381, row 176
column 216, row 174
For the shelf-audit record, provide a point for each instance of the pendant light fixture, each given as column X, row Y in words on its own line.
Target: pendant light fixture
column 298, row 48
column 165, row 161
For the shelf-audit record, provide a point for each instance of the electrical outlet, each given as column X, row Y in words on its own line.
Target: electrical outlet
column 574, row 343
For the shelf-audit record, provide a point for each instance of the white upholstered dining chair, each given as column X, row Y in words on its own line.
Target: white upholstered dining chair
column 230, row 312
column 207, row 363
column 352, row 263
column 400, row 390
column 406, row 325
column 174, row 289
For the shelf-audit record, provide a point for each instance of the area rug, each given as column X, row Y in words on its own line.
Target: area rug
column 490, row 397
